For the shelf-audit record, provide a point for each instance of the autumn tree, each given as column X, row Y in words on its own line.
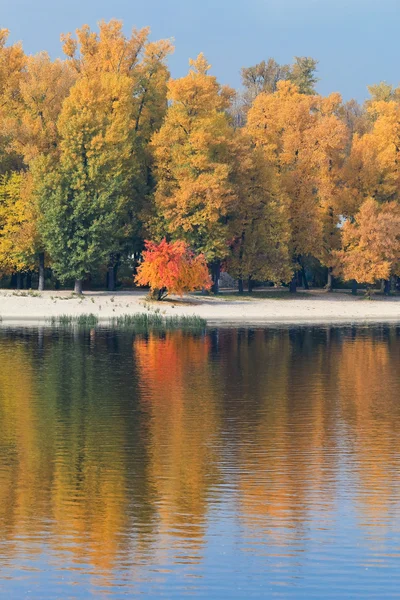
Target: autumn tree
column 43, row 87
column 82, row 200
column 259, row 245
column 265, row 76
column 18, row 232
column 303, row 140
column 372, row 192
column 12, row 66
column 303, row 74
column 383, row 92
column 32, row 93
column 90, row 202
column 33, row 118
column 172, row 268
column 142, row 64
column 193, row 164
column 371, row 243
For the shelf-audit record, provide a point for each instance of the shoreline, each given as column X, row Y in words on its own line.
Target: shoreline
column 313, row 308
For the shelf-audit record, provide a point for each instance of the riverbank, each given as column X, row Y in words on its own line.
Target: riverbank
column 272, row 307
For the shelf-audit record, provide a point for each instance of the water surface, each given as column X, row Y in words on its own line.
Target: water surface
column 231, row 464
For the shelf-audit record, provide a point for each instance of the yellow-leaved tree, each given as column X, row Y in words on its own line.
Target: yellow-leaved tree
column 371, row 243
column 194, row 154
column 18, row 218
column 304, row 142
column 370, row 247
column 259, row 228
column 12, row 66
column 32, row 126
column 94, row 198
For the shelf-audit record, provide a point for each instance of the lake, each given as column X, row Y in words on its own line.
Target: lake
column 235, row 463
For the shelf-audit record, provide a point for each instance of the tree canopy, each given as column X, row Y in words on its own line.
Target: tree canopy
column 102, row 150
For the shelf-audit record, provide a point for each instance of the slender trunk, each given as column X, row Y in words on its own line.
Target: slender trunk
column 329, row 285
column 111, row 279
column 293, row 284
column 112, row 270
column 387, row 287
column 354, row 287
column 158, row 293
column 215, row 273
column 305, row 282
column 116, row 267
column 19, row 281
column 78, row 289
column 382, row 286
column 13, row 281
column 162, row 293
column 241, row 250
column 41, row 272
column 29, row 281
column 250, row 285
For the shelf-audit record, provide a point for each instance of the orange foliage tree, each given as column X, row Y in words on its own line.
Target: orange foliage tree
column 371, row 243
column 303, row 141
column 194, row 159
column 172, row 268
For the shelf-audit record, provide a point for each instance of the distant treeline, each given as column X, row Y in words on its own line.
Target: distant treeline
column 103, row 150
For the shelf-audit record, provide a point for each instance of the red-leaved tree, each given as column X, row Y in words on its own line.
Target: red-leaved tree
column 172, row 268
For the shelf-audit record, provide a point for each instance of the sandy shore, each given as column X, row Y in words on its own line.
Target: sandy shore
column 311, row 307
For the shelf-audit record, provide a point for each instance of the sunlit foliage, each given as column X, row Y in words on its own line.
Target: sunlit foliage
column 172, row 268
column 102, row 150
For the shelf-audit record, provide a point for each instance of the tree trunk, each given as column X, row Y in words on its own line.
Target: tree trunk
column 215, row 273
column 305, row 282
column 19, row 281
column 112, row 270
column 111, row 278
column 382, row 286
column 354, row 287
column 78, row 289
column 250, row 285
column 13, row 281
column 41, row 272
column 240, row 286
column 158, row 293
column 387, row 287
column 29, row 281
column 293, row 284
column 329, row 285
column 116, row 267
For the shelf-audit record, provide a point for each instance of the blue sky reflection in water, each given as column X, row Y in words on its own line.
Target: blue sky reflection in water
column 236, row 463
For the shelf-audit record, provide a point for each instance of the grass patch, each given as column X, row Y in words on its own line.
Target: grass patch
column 82, row 321
column 27, row 294
column 138, row 322
column 154, row 321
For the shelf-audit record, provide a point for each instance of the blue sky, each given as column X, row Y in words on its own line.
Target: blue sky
column 355, row 41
